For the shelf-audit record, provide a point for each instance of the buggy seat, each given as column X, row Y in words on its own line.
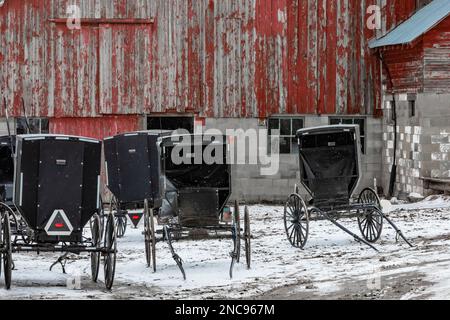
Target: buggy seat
column 329, row 163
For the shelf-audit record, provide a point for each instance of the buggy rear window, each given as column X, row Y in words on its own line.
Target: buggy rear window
column 336, row 139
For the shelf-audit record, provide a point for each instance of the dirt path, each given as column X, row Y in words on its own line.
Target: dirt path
column 394, row 288
column 397, row 285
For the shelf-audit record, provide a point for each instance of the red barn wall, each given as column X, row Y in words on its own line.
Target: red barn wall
column 423, row 66
column 406, row 68
column 436, row 46
column 97, row 128
column 233, row 58
column 397, row 11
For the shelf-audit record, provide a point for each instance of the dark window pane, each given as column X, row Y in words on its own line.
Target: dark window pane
column 274, row 124
column 153, row 123
column 335, row 121
column 362, row 126
column 21, row 126
column 285, row 145
column 35, row 126
column 45, row 127
column 170, row 123
column 347, row 121
column 285, row 127
column 412, row 108
column 363, row 145
column 297, row 124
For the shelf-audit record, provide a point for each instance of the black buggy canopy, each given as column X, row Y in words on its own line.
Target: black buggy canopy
column 132, row 162
column 330, row 159
column 57, row 178
column 202, row 181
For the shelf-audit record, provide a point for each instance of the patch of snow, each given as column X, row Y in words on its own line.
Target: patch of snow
column 330, row 261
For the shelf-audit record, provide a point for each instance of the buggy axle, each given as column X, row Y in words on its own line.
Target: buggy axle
column 62, row 249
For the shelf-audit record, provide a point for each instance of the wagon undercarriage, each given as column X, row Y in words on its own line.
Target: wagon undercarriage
column 175, row 232
column 370, row 221
column 330, row 171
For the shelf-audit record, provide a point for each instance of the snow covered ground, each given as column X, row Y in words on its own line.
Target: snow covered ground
column 332, row 266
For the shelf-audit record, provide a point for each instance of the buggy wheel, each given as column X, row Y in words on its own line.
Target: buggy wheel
column 6, row 251
column 121, row 220
column 296, row 221
column 370, row 218
column 247, row 237
column 237, row 235
column 111, row 251
column 150, row 238
column 14, row 222
column 96, row 242
column 121, row 226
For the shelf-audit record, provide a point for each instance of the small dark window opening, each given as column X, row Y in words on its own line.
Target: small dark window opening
column 361, row 122
column 412, row 108
column 171, row 123
column 288, row 128
column 391, row 112
column 34, row 126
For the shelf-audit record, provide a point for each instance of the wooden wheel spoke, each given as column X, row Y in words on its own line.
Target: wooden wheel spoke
column 291, row 226
column 304, row 227
column 296, row 221
column 292, row 232
column 299, row 237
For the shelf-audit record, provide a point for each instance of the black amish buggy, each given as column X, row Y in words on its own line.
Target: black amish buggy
column 56, row 194
column 330, row 171
column 188, row 198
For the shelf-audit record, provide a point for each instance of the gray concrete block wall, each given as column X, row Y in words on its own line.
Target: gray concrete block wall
column 423, row 142
column 3, row 127
column 248, row 184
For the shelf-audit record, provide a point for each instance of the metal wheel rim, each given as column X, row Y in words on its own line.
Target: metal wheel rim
column 7, row 255
column 96, row 241
column 153, row 239
column 247, row 235
column 237, row 226
column 110, row 258
column 296, row 221
column 370, row 221
column 147, row 236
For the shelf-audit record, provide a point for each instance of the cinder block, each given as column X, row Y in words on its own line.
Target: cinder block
column 445, row 147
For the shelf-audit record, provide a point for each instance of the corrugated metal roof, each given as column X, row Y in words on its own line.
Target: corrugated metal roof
column 421, row 22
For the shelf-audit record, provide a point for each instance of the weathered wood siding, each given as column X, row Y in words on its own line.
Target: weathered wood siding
column 406, row 68
column 97, row 128
column 423, row 66
column 215, row 58
column 436, row 46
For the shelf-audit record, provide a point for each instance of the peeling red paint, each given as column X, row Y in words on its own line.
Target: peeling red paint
column 97, row 128
column 233, row 58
